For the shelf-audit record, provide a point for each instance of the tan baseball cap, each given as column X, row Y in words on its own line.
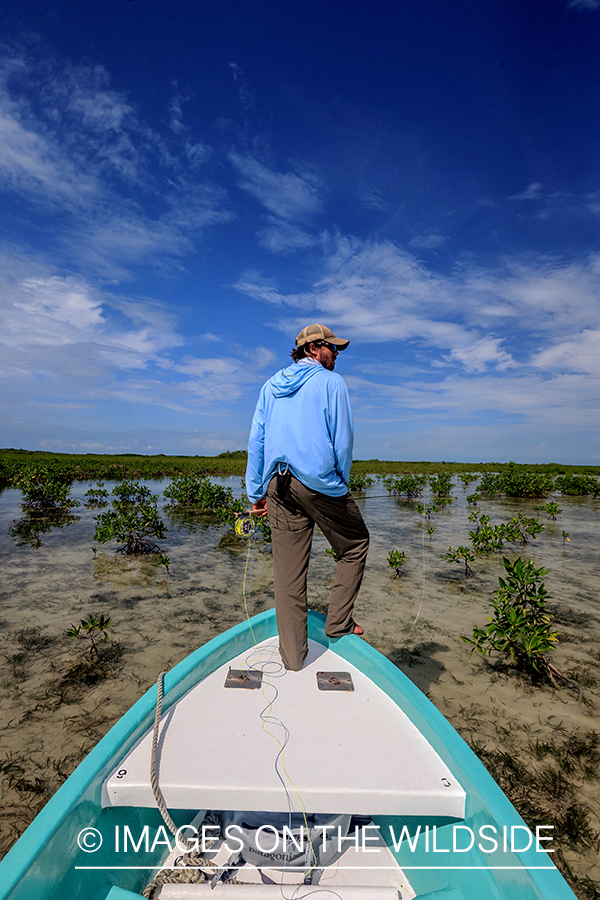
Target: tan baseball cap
column 320, row 333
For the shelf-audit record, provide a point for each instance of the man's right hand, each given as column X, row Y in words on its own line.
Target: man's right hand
column 260, row 508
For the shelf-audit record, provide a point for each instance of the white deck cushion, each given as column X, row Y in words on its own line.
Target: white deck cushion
column 354, row 752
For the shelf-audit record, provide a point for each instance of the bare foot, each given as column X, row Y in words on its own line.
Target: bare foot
column 358, row 629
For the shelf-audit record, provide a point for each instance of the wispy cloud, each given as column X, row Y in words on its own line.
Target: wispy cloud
column 284, row 238
column 533, row 192
column 372, row 199
column 32, row 165
column 476, row 354
column 225, row 379
column 580, row 354
column 112, row 239
column 582, row 5
column 67, row 345
column 246, row 93
column 566, row 401
column 545, row 295
column 60, row 326
column 293, row 197
column 60, row 300
column 76, row 148
column 428, row 241
column 176, row 111
column 528, row 316
column 506, row 354
column 260, row 287
column 380, row 291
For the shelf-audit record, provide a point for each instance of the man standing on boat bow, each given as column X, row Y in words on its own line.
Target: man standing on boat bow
column 299, row 458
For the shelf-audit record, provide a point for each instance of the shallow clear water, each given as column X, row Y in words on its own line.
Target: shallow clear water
column 50, row 580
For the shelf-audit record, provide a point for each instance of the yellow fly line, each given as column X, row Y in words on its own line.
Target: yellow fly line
column 244, row 527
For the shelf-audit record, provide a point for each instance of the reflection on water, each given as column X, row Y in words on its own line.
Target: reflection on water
column 51, row 577
column 29, row 528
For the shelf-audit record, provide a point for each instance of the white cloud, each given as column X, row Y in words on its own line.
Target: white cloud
column 31, row 164
column 284, row 238
column 287, row 195
column 68, row 122
column 542, row 315
column 581, row 354
column 546, row 295
column 373, row 200
column 475, row 355
column 224, row 379
column 583, row 4
column 48, row 313
column 533, row 192
column 428, row 241
column 383, row 293
column 560, row 402
column 72, row 145
column 64, row 300
column 68, row 346
column 61, row 329
column 261, row 288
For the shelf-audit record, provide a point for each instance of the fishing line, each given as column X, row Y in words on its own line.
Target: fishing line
column 245, row 526
column 423, row 579
column 386, row 496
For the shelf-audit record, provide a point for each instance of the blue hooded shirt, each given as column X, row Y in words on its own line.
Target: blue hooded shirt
column 302, row 420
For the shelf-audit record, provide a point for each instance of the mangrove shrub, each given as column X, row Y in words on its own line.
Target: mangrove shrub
column 135, row 524
column 44, row 490
column 520, row 627
column 199, row 492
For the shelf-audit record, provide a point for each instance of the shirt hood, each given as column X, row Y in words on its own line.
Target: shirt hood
column 291, row 379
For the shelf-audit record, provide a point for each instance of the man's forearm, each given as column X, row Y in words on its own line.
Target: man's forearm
column 256, row 459
column 342, row 434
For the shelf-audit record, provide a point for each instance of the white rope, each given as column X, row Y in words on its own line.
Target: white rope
column 158, row 795
column 192, row 859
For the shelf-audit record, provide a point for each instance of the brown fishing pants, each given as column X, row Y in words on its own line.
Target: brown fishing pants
column 293, row 519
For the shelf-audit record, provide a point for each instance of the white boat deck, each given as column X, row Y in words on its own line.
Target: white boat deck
column 345, row 752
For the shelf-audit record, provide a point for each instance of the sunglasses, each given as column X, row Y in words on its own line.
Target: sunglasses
column 329, row 346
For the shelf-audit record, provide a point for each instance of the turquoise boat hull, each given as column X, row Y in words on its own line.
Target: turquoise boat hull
column 46, row 861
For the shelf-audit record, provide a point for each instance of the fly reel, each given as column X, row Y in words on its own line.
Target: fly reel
column 245, row 526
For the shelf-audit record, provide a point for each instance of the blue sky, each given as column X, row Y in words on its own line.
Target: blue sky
column 185, row 185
